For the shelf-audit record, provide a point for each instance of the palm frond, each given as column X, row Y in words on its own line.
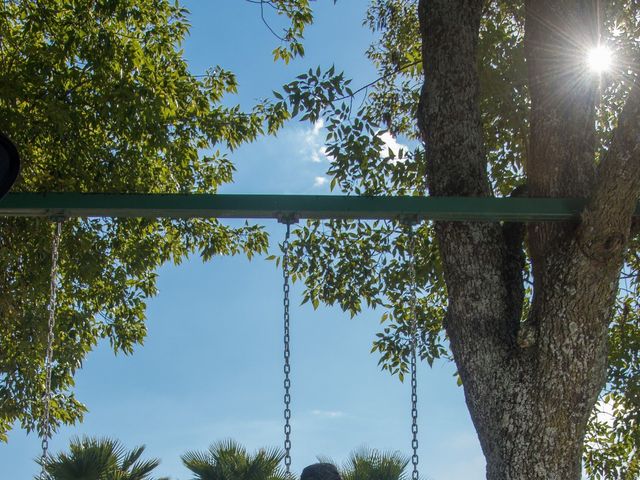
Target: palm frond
column 228, row 460
column 371, row 464
column 129, row 458
column 99, row 459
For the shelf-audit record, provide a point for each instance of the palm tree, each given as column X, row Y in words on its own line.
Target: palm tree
column 371, row 464
column 228, row 460
column 92, row 458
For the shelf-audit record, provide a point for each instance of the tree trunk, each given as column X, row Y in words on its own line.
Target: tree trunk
column 530, row 384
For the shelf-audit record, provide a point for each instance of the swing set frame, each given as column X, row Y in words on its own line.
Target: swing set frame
column 286, row 209
column 479, row 209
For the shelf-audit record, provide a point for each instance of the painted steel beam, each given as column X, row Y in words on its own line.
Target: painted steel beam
column 299, row 206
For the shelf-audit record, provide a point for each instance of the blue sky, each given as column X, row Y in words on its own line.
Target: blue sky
column 211, row 366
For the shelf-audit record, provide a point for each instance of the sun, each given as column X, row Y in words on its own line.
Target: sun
column 599, row 59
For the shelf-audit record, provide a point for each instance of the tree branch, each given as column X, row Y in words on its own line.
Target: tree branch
column 475, row 258
column 606, row 221
column 563, row 99
column 262, row 3
column 400, row 69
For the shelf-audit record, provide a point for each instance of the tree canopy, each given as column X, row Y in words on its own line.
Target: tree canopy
column 98, row 98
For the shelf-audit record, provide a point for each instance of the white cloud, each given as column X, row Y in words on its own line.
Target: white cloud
column 320, row 181
column 327, row 413
column 317, row 127
column 323, row 151
column 312, row 148
column 605, row 412
column 390, row 143
column 312, row 143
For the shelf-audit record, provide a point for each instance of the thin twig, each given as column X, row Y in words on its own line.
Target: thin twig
column 264, row 20
column 383, row 77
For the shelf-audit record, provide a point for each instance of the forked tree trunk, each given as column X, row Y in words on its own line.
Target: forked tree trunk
column 530, row 384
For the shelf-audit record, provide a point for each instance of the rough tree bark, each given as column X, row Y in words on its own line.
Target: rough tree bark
column 530, row 384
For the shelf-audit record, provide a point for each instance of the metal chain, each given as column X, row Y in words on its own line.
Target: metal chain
column 414, row 346
column 48, row 364
column 287, row 353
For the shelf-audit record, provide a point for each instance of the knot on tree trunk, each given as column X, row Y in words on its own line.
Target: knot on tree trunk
column 601, row 248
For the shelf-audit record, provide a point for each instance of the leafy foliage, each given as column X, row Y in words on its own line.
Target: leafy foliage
column 228, row 460
column 299, row 15
column 358, row 263
column 100, row 459
column 613, row 438
column 97, row 96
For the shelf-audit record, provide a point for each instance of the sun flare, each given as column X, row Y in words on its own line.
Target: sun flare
column 599, row 59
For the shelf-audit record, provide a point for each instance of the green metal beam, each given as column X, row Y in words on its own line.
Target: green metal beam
column 278, row 206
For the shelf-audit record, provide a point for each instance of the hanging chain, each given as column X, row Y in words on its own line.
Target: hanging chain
column 48, row 364
column 287, row 354
column 414, row 346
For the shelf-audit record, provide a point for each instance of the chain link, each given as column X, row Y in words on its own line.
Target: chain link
column 414, row 346
column 48, row 364
column 287, row 352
